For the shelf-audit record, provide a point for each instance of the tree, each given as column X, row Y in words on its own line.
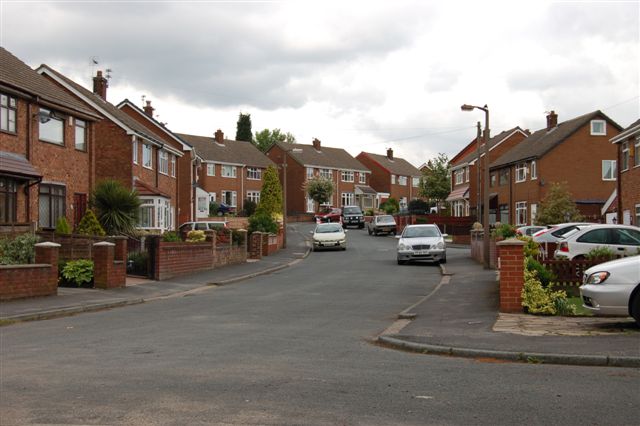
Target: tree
column 89, row 225
column 271, row 194
column 557, row 206
column 116, row 207
column 319, row 189
column 266, row 138
column 435, row 183
column 243, row 128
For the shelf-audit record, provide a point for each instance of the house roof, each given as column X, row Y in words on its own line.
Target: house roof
column 145, row 189
column 459, row 193
column 397, row 166
column 15, row 74
column 232, row 152
column 543, row 140
column 328, row 157
column 17, row 166
column 632, row 130
column 105, row 107
column 494, row 141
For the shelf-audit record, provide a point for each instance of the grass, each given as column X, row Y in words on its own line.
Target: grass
column 580, row 310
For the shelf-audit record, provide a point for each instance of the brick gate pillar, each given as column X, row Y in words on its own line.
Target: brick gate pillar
column 48, row 253
column 107, row 273
column 511, row 266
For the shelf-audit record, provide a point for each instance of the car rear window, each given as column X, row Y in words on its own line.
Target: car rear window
column 386, row 219
column 326, row 229
column 352, row 210
column 421, row 231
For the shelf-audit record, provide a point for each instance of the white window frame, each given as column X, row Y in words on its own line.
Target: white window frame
column 521, row 213
column 134, row 147
column 362, row 178
column 57, row 139
column 459, row 176
column 636, row 156
column 534, row 170
column 211, row 169
column 393, row 179
column 534, row 212
column 228, row 171
column 637, row 208
column 163, row 162
column 80, row 135
column 521, row 172
column 326, row 174
column 309, row 173
column 347, row 176
column 415, row 181
column 254, row 173
column 173, row 165
column 402, row 180
column 613, row 168
column 311, row 206
column 147, row 156
column 348, row 198
column 625, row 156
column 8, row 113
column 598, row 132
column 466, row 174
column 253, row 196
column 234, row 197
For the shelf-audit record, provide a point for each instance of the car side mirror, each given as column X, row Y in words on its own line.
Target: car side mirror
column 445, row 235
column 311, row 232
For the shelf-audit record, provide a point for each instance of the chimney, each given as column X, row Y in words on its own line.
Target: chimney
column 219, row 137
column 316, row 144
column 390, row 154
column 100, row 85
column 552, row 120
column 148, row 109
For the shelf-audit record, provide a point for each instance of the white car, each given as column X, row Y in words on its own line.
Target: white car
column 553, row 233
column 329, row 235
column 622, row 240
column 421, row 242
column 613, row 288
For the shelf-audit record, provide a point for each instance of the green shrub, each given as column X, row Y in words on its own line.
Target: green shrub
column 213, row 208
column 62, row 226
column 564, row 306
column 171, row 237
column 504, row 230
column 89, row 225
column 196, row 237
column 531, row 249
column 137, row 261
column 539, row 300
column 249, row 207
column 418, row 206
column 370, row 212
column 603, row 252
column 545, row 276
column 262, row 222
column 78, row 272
column 390, row 206
column 18, row 250
column 421, row 220
column 237, row 237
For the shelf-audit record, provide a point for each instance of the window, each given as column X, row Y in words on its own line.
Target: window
column 310, row 205
column 626, row 237
column 393, row 179
column 415, row 181
column 8, row 199
column 134, row 147
column 598, row 127
column 466, row 174
column 53, row 130
column 254, row 173
column 51, row 205
column 309, row 172
column 503, row 209
column 8, row 113
column 625, row 157
column 521, row 213
column 347, row 176
column 534, row 170
column 493, row 179
column 403, row 202
column 402, row 180
column 230, row 198
column 637, row 222
column 521, row 172
column 147, row 158
column 459, row 175
column 325, row 173
column 211, row 169
column 173, row 166
column 147, row 214
column 608, row 169
column 534, row 213
column 636, row 153
column 228, row 171
column 348, row 198
column 253, row 196
column 81, row 135
column 597, row 236
column 163, row 162
column 362, row 178
column 458, row 207
column 504, row 176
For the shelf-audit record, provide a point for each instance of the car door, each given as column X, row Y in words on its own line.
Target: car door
column 625, row 242
column 590, row 240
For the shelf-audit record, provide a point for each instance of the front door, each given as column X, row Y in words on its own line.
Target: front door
column 79, row 208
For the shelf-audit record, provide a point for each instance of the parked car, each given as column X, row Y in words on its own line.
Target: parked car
column 555, row 232
column 623, row 240
column 329, row 235
column 352, row 215
column 529, row 230
column 331, row 214
column 201, row 226
column 613, row 288
column 382, row 224
column 224, row 209
column 421, row 242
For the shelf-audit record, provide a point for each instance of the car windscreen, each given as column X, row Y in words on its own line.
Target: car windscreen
column 386, row 219
column 327, row 229
column 418, row 232
column 352, row 210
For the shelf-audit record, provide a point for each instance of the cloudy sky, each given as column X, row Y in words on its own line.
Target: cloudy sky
column 361, row 75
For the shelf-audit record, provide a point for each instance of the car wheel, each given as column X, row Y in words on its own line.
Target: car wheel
column 375, row 232
column 361, row 226
column 635, row 308
column 369, row 231
column 402, row 262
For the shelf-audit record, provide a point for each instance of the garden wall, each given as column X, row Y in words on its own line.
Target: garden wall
column 39, row 279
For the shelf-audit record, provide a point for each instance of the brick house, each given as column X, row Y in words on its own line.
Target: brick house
column 576, row 151
column 392, row 177
column 466, row 176
column 187, row 164
column 350, row 177
column 230, row 172
column 628, row 172
column 47, row 150
column 129, row 152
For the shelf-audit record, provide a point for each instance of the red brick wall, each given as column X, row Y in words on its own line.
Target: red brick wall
column 21, row 281
column 181, row 258
column 629, row 191
column 114, row 156
column 380, row 178
column 240, row 183
column 511, row 275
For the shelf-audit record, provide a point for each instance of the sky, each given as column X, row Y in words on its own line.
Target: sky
column 359, row 75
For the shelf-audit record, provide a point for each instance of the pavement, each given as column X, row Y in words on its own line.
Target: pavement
column 458, row 318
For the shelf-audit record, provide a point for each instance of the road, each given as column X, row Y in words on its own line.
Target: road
column 294, row 347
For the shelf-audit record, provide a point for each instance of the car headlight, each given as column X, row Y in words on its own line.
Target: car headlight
column 597, row 278
column 440, row 245
column 402, row 247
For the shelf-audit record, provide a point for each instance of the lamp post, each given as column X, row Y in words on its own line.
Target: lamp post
column 485, row 198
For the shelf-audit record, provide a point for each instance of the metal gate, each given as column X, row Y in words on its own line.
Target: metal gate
column 141, row 256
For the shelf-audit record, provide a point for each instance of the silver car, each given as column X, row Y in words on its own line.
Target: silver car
column 421, row 242
column 613, row 288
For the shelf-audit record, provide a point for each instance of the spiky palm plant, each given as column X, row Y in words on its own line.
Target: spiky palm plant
column 116, row 207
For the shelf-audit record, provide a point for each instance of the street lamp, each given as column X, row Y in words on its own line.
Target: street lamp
column 485, row 198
